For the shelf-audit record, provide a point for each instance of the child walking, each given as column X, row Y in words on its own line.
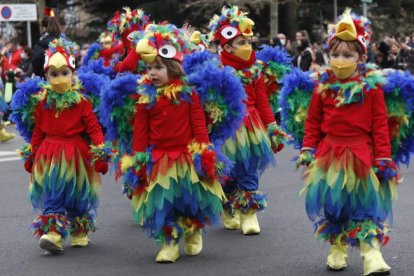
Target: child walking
column 259, row 136
column 172, row 198
column 59, row 123
column 347, row 129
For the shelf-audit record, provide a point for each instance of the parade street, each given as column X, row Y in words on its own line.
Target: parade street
column 286, row 245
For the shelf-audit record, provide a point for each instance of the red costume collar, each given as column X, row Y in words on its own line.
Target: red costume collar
column 237, row 63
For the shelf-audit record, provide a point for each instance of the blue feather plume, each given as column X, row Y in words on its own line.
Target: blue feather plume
column 276, row 54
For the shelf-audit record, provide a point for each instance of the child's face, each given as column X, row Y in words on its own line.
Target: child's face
column 344, row 53
column 158, row 73
column 240, row 46
column 60, row 80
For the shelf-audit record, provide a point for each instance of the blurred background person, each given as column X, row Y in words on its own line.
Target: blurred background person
column 50, row 29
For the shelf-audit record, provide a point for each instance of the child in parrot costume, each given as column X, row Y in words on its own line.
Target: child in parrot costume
column 259, row 137
column 106, row 47
column 354, row 125
column 65, row 150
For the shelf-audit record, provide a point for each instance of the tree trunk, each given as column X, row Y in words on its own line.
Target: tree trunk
column 289, row 19
column 274, row 18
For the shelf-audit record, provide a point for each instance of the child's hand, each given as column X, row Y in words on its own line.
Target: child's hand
column 304, row 158
column 28, row 164
column 385, row 169
column 101, row 167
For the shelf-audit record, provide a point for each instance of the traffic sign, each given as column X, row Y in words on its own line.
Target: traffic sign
column 18, row 12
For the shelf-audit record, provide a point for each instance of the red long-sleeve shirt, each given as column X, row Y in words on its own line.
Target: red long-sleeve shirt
column 169, row 126
column 130, row 62
column 257, row 98
column 350, row 122
column 71, row 122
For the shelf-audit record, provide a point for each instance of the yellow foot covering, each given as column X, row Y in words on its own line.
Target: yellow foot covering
column 80, row 240
column 337, row 257
column 249, row 223
column 231, row 222
column 4, row 135
column 374, row 263
column 51, row 242
column 193, row 243
column 169, row 253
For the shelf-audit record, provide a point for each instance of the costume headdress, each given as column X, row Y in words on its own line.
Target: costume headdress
column 201, row 41
column 105, row 37
column 352, row 27
column 165, row 40
column 123, row 24
column 61, row 53
column 230, row 24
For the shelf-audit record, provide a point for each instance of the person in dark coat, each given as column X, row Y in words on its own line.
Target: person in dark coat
column 303, row 60
column 50, row 30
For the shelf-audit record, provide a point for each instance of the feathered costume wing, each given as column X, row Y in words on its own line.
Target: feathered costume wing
column 23, row 105
column 117, row 109
column 95, row 78
column 221, row 94
column 276, row 63
column 399, row 97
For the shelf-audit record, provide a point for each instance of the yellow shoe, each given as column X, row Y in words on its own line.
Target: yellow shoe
column 80, row 240
column 249, row 223
column 4, row 135
column 337, row 257
column 374, row 263
column 193, row 243
column 51, row 242
column 231, row 222
column 169, row 253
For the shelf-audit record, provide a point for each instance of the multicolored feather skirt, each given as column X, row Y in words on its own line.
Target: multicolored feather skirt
column 174, row 199
column 345, row 198
column 62, row 174
column 251, row 139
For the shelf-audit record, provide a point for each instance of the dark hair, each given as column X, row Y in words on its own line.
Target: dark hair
column 174, row 68
column 51, row 24
column 354, row 45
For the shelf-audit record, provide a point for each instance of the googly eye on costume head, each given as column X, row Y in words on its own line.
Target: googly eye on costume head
column 131, row 35
column 362, row 40
column 46, row 61
column 167, row 51
column 229, row 32
column 72, row 62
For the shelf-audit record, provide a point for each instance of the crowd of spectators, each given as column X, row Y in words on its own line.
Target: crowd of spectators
column 390, row 52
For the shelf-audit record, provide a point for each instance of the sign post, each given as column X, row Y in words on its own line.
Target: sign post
column 20, row 12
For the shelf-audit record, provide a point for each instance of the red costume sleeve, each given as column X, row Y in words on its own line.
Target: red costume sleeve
column 141, row 129
column 380, row 134
column 313, row 132
column 262, row 102
column 38, row 135
column 92, row 126
column 129, row 63
column 107, row 53
column 198, row 120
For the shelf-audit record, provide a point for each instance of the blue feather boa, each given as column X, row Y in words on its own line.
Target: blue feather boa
column 92, row 53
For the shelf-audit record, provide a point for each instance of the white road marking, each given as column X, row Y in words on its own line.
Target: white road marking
column 9, row 159
column 6, row 156
column 4, row 153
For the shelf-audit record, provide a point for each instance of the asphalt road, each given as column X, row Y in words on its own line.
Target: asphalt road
column 285, row 247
